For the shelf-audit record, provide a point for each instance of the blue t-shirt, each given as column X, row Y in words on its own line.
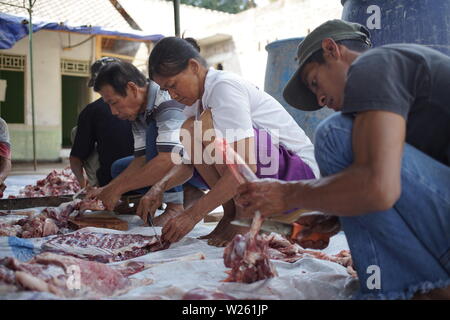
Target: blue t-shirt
column 412, row 81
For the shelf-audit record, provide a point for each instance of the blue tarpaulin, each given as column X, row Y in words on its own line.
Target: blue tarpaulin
column 13, row 28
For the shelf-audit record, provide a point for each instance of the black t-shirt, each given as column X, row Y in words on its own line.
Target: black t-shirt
column 113, row 136
column 412, row 81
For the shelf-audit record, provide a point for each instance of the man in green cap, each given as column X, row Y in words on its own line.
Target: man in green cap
column 384, row 158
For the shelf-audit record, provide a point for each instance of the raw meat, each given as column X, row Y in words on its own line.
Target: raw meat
column 90, row 204
column 9, row 230
column 49, row 221
column 39, row 226
column 247, row 256
column 64, row 276
column 57, row 183
column 282, row 249
column 61, row 214
column 203, row 294
column 104, row 247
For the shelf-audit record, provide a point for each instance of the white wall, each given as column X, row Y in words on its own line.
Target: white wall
column 157, row 16
column 47, row 55
column 253, row 29
column 250, row 30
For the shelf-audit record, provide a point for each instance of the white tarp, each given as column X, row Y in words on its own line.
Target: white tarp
column 308, row 278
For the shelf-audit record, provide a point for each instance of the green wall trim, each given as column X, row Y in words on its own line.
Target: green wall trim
column 48, row 143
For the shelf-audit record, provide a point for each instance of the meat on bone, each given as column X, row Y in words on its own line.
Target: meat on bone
column 65, row 277
column 57, row 183
column 282, row 249
column 248, row 256
column 103, row 247
column 49, row 221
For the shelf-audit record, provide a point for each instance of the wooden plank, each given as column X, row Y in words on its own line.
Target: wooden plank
column 101, row 220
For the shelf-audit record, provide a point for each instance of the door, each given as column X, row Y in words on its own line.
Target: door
column 12, row 109
column 74, row 99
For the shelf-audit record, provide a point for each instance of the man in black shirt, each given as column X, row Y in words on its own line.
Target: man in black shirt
column 99, row 131
column 384, row 158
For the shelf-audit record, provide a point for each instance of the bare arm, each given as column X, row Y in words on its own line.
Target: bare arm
column 371, row 183
column 176, row 176
column 77, row 168
column 5, row 169
column 137, row 175
column 226, row 187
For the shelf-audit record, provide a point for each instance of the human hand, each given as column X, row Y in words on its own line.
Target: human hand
column 107, row 195
column 266, row 196
column 325, row 225
column 176, row 228
column 93, row 192
column 150, row 202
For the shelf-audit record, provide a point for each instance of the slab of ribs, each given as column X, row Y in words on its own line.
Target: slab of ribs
column 103, row 247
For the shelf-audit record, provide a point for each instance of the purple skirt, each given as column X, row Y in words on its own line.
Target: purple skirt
column 278, row 162
column 272, row 162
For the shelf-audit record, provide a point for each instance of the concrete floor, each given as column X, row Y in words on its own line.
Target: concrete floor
column 27, row 168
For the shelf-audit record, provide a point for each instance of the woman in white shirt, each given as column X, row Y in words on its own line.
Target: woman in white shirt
column 236, row 110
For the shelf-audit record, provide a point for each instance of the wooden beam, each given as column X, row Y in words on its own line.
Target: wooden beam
column 98, row 47
column 102, row 35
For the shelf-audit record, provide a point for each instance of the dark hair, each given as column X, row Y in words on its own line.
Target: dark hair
column 171, row 55
column 117, row 74
column 193, row 42
column 352, row 44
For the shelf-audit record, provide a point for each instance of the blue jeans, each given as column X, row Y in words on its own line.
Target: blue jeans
column 169, row 196
column 174, row 195
column 407, row 246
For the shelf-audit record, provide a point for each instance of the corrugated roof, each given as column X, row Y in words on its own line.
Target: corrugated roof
column 73, row 12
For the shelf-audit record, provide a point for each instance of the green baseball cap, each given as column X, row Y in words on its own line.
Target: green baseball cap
column 296, row 93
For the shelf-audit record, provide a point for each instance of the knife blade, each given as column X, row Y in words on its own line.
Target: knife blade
column 78, row 193
column 290, row 230
column 150, row 223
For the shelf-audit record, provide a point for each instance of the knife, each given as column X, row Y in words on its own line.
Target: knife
column 242, row 172
column 150, row 223
column 290, row 230
column 78, row 193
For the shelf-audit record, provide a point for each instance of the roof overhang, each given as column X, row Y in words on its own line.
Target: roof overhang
column 14, row 28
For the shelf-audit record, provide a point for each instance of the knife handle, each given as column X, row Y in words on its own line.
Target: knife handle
column 297, row 228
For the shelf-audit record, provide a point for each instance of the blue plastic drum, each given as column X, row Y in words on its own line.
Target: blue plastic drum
column 425, row 22
column 281, row 65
